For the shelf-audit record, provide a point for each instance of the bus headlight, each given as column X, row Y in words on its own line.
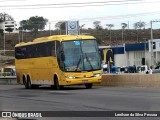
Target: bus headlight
column 97, row 75
column 70, row 77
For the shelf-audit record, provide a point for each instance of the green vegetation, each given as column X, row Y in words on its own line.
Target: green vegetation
column 33, row 24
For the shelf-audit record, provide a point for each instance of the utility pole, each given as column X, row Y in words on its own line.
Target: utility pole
column 124, row 25
column 50, row 28
column 4, row 42
column 122, row 35
column 151, row 44
column 110, row 26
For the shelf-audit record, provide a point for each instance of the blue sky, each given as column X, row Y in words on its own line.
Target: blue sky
column 108, row 11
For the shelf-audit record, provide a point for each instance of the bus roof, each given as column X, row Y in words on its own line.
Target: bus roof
column 56, row 37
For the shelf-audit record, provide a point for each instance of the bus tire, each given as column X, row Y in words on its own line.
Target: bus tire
column 29, row 82
column 25, row 82
column 56, row 83
column 88, row 85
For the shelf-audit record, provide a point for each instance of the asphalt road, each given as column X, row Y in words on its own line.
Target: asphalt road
column 77, row 98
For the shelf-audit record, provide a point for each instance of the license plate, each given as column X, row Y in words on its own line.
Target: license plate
column 84, row 81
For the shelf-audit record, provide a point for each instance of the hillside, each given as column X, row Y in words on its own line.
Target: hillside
column 104, row 36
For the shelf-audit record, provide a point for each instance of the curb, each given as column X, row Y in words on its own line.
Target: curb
column 8, row 80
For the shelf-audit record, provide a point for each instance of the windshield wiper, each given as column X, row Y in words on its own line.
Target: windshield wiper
column 89, row 61
column 78, row 63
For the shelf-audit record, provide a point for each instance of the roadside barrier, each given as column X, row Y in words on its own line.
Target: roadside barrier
column 8, row 80
column 131, row 80
column 114, row 80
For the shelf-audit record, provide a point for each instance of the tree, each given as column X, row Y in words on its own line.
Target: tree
column 81, row 27
column 109, row 27
column 139, row 25
column 97, row 25
column 61, row 25
column 24, row 25
column 5, row 17
column 124, row 25
column 34, row 24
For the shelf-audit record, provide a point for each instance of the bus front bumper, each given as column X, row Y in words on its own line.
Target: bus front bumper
column 78, row 81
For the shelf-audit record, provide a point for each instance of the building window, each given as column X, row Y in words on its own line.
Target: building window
column 138, row 55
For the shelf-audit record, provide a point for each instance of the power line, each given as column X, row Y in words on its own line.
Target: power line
column 11, row 0
column 106, row 17
column 84, row 4
column 69, row 3
column 111, row 17
column 120, row 16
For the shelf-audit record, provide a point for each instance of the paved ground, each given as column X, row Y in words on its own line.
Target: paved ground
column 16, row 98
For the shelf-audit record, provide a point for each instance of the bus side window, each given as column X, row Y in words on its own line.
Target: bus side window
column 50, row 48
column 20, row 52
column 59, row 53
column 57, row 48
column 34, row 54
column 30, row 53
column 41, row 48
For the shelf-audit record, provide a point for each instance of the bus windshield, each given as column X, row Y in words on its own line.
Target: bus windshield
column 81, row 55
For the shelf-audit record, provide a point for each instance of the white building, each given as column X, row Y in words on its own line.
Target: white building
column 156, row 50
column 8, row 24
column 136, row 54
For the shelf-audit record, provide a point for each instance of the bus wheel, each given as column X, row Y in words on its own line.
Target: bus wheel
column 56, row 83
column 25, row 82
column 29, row 82
column 89, row 85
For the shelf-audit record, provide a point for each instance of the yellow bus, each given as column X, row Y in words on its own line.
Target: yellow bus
column 59, row 60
